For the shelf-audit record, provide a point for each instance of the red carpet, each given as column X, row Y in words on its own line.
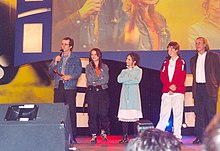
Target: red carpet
column 113, row 145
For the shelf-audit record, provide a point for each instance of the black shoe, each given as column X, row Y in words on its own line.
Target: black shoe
column 103, row 136
column 124, row 139
column 73, row 141
column 197, row 141
column 94, row 139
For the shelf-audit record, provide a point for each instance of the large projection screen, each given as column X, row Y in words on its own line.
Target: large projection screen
column 120, row 25
column 145, row 25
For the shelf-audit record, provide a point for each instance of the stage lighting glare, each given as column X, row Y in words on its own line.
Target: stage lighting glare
column 184, row 125
column 169, row 124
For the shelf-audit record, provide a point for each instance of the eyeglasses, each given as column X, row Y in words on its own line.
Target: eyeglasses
column 65, row 44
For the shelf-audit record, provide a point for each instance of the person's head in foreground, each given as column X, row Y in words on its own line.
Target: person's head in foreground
column 211, row 140
column 154, row 140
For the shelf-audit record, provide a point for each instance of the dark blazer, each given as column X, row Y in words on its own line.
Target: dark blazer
column 212, row 73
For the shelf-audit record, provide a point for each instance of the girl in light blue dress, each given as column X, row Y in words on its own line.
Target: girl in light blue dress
column 130, row 100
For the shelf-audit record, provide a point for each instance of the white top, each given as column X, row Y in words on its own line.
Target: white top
column 171, row 68
column 200, row 68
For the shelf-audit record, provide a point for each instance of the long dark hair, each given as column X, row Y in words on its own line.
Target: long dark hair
column 99, row 54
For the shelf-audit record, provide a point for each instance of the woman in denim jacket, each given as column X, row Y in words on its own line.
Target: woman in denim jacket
column 97, row 96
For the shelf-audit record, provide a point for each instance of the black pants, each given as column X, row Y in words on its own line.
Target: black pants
column 98, row 104
column 67, row 97
column 205, row 109
column 125, row 127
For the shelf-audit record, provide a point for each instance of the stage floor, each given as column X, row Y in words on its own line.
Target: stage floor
column 113, row 145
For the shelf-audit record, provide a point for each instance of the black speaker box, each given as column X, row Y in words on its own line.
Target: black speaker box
column 143, row 125
column 50, row 131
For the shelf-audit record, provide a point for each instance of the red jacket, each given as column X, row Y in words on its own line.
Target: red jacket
column 178, row 79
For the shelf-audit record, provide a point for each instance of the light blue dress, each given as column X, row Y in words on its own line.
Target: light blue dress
column 130, row 101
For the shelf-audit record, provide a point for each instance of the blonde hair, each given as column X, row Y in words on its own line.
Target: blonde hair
column 205, row 41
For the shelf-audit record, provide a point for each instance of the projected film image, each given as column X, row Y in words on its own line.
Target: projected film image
column 145, row 25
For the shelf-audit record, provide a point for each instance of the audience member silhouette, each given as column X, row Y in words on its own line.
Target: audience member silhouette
column 153, row 139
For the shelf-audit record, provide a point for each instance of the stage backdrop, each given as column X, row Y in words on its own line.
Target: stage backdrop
column 41, row 24
column 24, row 58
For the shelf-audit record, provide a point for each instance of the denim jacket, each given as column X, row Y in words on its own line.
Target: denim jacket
column 145, row 41
column 67, row 21
column 93, row 79
column 73, row 68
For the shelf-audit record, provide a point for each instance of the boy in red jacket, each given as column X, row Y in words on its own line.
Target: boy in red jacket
column 172, row 76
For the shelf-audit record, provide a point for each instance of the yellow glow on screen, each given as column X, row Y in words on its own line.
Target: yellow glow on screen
column 26, row 88
column 151, row 24
column 11, row 3
column 180, row 15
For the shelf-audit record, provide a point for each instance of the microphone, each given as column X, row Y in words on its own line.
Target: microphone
column 61, row 52
column 54, row 69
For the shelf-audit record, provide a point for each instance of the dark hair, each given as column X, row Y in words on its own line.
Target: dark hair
column 205, row 41
column 71, row 42
column 135, row 57
column 175, row 45
column 153, row 139
column 99, row 54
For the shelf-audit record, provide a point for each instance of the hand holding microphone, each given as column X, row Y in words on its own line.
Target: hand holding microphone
column 58, row 58
column 61, row 52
